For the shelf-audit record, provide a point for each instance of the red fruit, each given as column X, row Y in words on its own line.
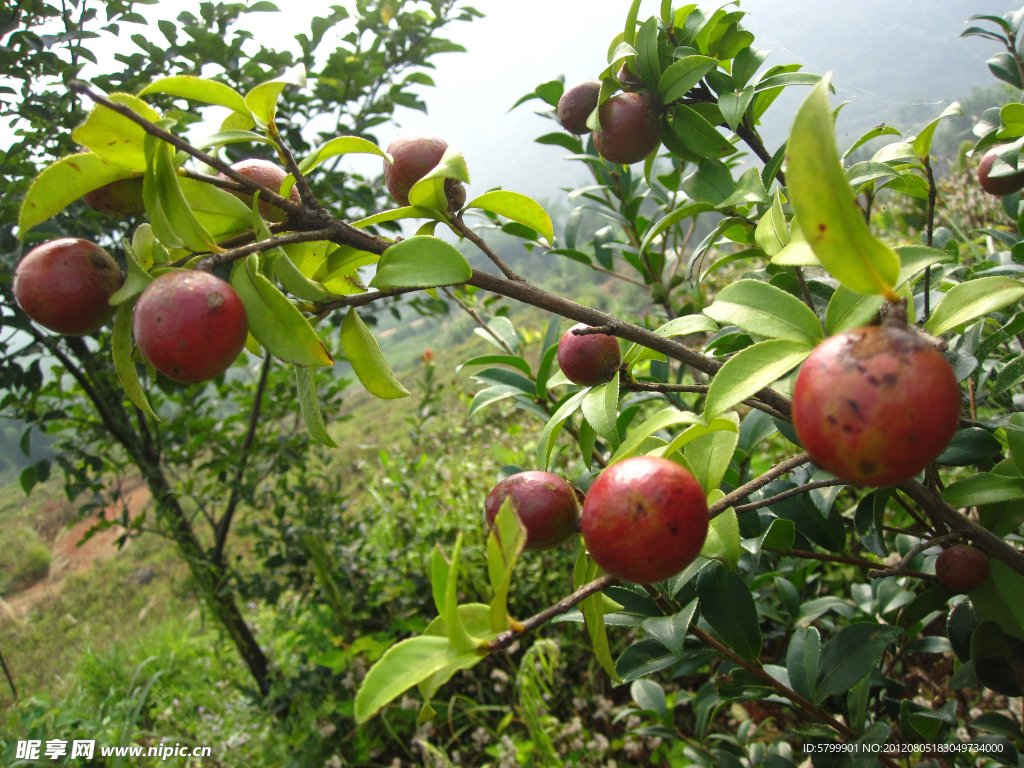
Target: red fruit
column 415, row 156
column 65, row 285
column 998, row 185
column 875, row 405
column 576, row 105
column 266, row 174
column 190, row 325
column 588, row 360
column 645, row 519
column 546, row 505
column 118, row 198
column 962, row 568
column 629, row 128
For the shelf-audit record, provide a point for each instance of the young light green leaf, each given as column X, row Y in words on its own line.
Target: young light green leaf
column 113, row 136
column 687, row 436
column 772, row 233
column 198, row 89
column 517, row 207
column 594, row 609
column 409, row 212
column 679, row 214
column 750, row 370
column 679, row 77
column 723, row 541
column 761, row 308
column 709, row 455
column 474, row 618
column 428, row 192
column 136, row 281
column 669, row 417
column 63, row 182
column 309, row 406
column 923, row 142
column 421, row 261
column 824, row 204
column 548, row 435
column 262, row 99
column 797, row 254
column 162, row 174
column 121, row 345
column 274, row 321
column 600, row 408
column 975, row 298
column 680, row 326
column 449, row 609
column 219, row 211
column 403, row 666
column 364, row 354
column 340, row 145
column 647, row 63
column 505, row 544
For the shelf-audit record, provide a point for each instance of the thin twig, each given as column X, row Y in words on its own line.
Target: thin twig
column 225, row 522
column 605, row 330
column 305, row 192
column 211, row 262
column 805, row 555
column 474, row 238
column 648, row 386
column 901, row 567
column 929, row 230
column 808, row 299
column 780, row 469
column 10, row 678
column 479, row 321
column 798, row 491
column 505, row 639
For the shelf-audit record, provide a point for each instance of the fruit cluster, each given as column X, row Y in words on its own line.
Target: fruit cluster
column 629, row 122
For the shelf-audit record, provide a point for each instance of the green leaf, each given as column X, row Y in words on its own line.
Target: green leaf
column 709, row 454
column 340, row 145
column 923, row 142
column 851, row 655
column 649, row 696
column 175, row 213
column 309, row 406
column 475, row 618
column 504, row 546
column 669, row 417
column 728, row 606
column 274, row 321
column 679, row 214
column 874, row 133
column 515, row 362
column 825, row 207
column 548, row 435
column 1015, row 440
column 679, row 77
column 648, row 66
column 680, row 326
column 975, row 298
column 802, row 660
column 217, row 210
column 983, row 488
column 198, row 89
column 63, row 182
column 421, row 261
column 712, row 182
column 262, row 99
column 751, row 370
column 670, row 631
column 772, row 233
column 780, row 535
column 698, row 135
column 517, row 207
column 600, row 408
column 761, row 308
column 121, row 346
column 723, row 541
column 403, row 666
column 113, row 136
column 749, row 189
column 428, row 192
column 593, row 610
column 448, row 607
column 232, row 137
column 296, row 283
column 733, row 105
column 364, row 354
column 136, row 282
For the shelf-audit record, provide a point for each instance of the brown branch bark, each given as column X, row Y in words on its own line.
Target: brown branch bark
column 780, row 469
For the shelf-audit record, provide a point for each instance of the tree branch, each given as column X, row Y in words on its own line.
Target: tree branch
column 805, row 555
column 798, row 491
column 10, row 679
column 474, row 238
column 211, row 262
column 901, row 567
column 758, row 483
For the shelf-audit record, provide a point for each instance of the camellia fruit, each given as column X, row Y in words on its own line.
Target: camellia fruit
column 120, row 198
column 645, row 519
column 190, row 325
column 962, row 568
column 65, row 286
column 545, row 503
column 590, row 359
column 415, row 156
column 266, row 174
column 876, row 405
column 576, row 105
column 998, row 185
column 629, row 128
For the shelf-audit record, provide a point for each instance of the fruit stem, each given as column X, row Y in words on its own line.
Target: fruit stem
column 896, row 312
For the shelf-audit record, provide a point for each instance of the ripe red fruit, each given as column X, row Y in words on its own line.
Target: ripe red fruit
column 875, row 405
column 576, row 105
column 998, row 185
column 962, row 568
column 118, row 198
column 266, row 174
column 190, row 325
column 645, row 519
column 546, row 505
column 588, row 360
column 629, row 128
column 416, row 155
column 65, row 285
